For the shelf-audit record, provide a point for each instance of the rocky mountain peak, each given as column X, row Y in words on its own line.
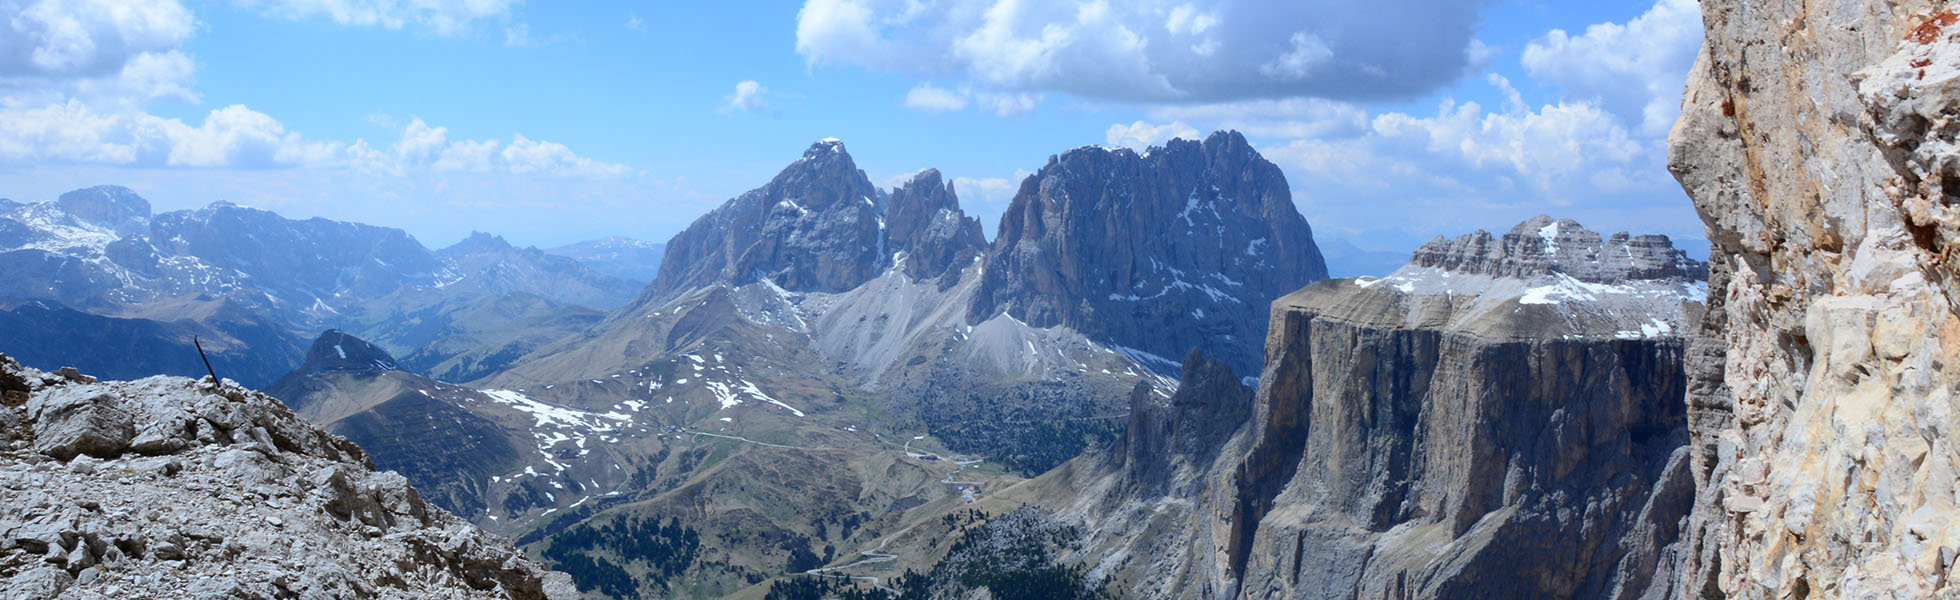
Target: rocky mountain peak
column 335, row 351
column 478, row 243
column 105, row 205
column 1544, row 246
column 1131, row 249
column 816, row 226
column 826, row 148
column 924, row 223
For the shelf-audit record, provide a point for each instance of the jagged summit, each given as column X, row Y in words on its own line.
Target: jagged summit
column 825, row 147
column 815, row 227
column 334, row 350
column 1544, row 246
column 478, row 242
column 925, row 223
column 1132, row 249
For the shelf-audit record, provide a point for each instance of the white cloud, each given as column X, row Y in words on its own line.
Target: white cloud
column 925, row 97
column 447, row 17
column 633, row 23
column 237, row 137
column 74, row 132
column 929, row 98
column 518, row 37
column 748, row 97
column 1141, row 135
column 1405, row 176
column 426, row 148
column 1286, row 118
column 1153, row 50
column 524, row 155
column 101, row 51
column 62, row 39
column 989, row 192
column 1186, row 20
column 987, row 197
column 1635, row 70
column 1307, row 53
column 1007, row 104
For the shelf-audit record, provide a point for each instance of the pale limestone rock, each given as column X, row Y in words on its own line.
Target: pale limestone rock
column 1817, row 141
column 240, row 498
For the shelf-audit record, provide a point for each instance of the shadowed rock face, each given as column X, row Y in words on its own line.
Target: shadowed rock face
column 1442, row 436
column 1443, row 432
column 926, row 224
column 334, row 350
column 815, row 227
column 1185, row 430
column 1183, row 246
column 1475, row 410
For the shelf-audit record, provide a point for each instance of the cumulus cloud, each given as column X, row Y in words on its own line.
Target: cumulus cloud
column 987, row 197
column 747, row 97
column 1635, row 70
column 933, row 99
column 426, row 148
column 1154, row 50
column 61, row 39
column 103, row 51
column 1285, row 118
column 1422, row 174
column 928, row 98
column 74, row 132
column 237, row 137
column 447, row 17
column 1141, row 135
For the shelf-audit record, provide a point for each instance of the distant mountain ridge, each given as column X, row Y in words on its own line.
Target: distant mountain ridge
column 626, row 258
column 755, row 384
column 250, row 283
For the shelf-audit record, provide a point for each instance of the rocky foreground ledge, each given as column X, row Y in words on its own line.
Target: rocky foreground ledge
column 167, row 487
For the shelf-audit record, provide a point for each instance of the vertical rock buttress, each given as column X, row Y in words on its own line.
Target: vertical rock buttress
column 1817, row 141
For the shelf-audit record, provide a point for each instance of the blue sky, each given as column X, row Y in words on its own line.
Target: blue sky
column 1394, row 120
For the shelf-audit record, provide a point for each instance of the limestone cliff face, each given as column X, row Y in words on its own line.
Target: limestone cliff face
column 1481, row 424
column 1478, row 456
column 1817, row 141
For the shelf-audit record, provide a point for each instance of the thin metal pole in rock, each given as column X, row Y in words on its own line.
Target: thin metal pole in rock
column 207, row 359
